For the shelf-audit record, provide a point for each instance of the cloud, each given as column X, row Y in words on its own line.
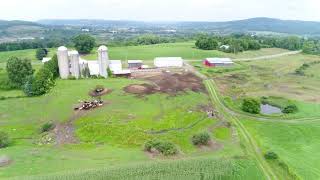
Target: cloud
column 167, row 10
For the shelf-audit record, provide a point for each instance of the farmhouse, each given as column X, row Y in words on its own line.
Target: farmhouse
column 168, row 62
column 135, row 64
column 218, row 62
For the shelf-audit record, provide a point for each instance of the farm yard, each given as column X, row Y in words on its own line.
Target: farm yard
column 171, row 106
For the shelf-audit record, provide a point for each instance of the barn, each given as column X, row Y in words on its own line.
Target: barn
column 218, row 62
column 168, row 62
column 135, row 64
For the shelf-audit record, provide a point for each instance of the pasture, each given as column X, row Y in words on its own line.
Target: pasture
column 108, row 141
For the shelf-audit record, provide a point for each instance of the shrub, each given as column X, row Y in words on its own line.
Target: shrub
column 165, row 148
column 290, row 109
column 251, row 105
column 271, row 155
column 4, row 140
column 18, row 71
column 47, row 127
column 201, row 139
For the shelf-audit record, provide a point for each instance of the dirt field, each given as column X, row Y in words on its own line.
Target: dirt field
column 165, row 82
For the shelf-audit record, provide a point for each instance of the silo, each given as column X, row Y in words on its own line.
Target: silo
column 75, row 66
column 63, row 62
column 103, row 61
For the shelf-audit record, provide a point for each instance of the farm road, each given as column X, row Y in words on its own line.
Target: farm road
column 259, row 57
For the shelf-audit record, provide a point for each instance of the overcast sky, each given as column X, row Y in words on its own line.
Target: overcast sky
column 159, row 10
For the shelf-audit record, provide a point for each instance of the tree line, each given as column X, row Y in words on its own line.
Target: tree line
column 240, row 42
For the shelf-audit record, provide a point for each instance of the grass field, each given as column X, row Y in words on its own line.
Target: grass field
column 111, row 138
column 293, row 137
column 111, row 135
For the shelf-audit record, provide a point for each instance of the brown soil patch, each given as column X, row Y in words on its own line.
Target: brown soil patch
column 212, row 146
column 93, row 93
column 166, row 82
column 5, row 161
column 140, row 89
column 64, row 132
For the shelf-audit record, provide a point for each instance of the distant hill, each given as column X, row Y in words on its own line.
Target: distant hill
column 20, row 30
column 254, row 24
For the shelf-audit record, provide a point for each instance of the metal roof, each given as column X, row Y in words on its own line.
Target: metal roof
column 134, row 61
column 219, row 60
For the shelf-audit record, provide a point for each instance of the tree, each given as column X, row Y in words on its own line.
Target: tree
column 40, row 84
column 41, row 53
column 53, row 66
column 251, row 105
column 18, row 71
column 207, row 43
column 84, row 43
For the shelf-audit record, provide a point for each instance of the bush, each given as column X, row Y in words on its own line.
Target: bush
column 271, row 155
column 165, row 148
column 4, row 140
column 201, row 139
column 251, row 105
column 84, row 43
column 47, row 127
column 290, row 109
column 18, row 71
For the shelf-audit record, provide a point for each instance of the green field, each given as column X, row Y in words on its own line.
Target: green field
column 110, row 135
column 110, row 139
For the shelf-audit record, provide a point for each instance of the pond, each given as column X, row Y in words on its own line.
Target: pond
column 268, row 109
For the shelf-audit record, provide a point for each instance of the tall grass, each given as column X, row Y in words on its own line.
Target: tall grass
column 204, row 169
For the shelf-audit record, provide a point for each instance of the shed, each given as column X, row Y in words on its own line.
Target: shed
column 218, row 62
column 168, row 62
column 135, row 64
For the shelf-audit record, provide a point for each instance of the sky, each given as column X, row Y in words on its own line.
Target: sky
column 160, row 10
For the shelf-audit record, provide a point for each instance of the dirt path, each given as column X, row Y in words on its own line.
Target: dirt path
column 269, row 56
column 259, row 57
column 248, row 139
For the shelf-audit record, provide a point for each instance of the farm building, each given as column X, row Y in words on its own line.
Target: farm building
column 116, row 68
column 45, row 59
column 168, row 62
column 132, row 64
column 216, row 62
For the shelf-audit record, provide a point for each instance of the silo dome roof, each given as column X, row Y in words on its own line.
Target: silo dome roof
column 103, row 48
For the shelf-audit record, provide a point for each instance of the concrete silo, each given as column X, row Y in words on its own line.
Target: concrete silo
column 75, row 66
column 103, row 61
column 63, row 62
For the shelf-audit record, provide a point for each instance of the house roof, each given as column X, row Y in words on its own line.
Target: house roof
column 168, row 59
column 220, row 60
